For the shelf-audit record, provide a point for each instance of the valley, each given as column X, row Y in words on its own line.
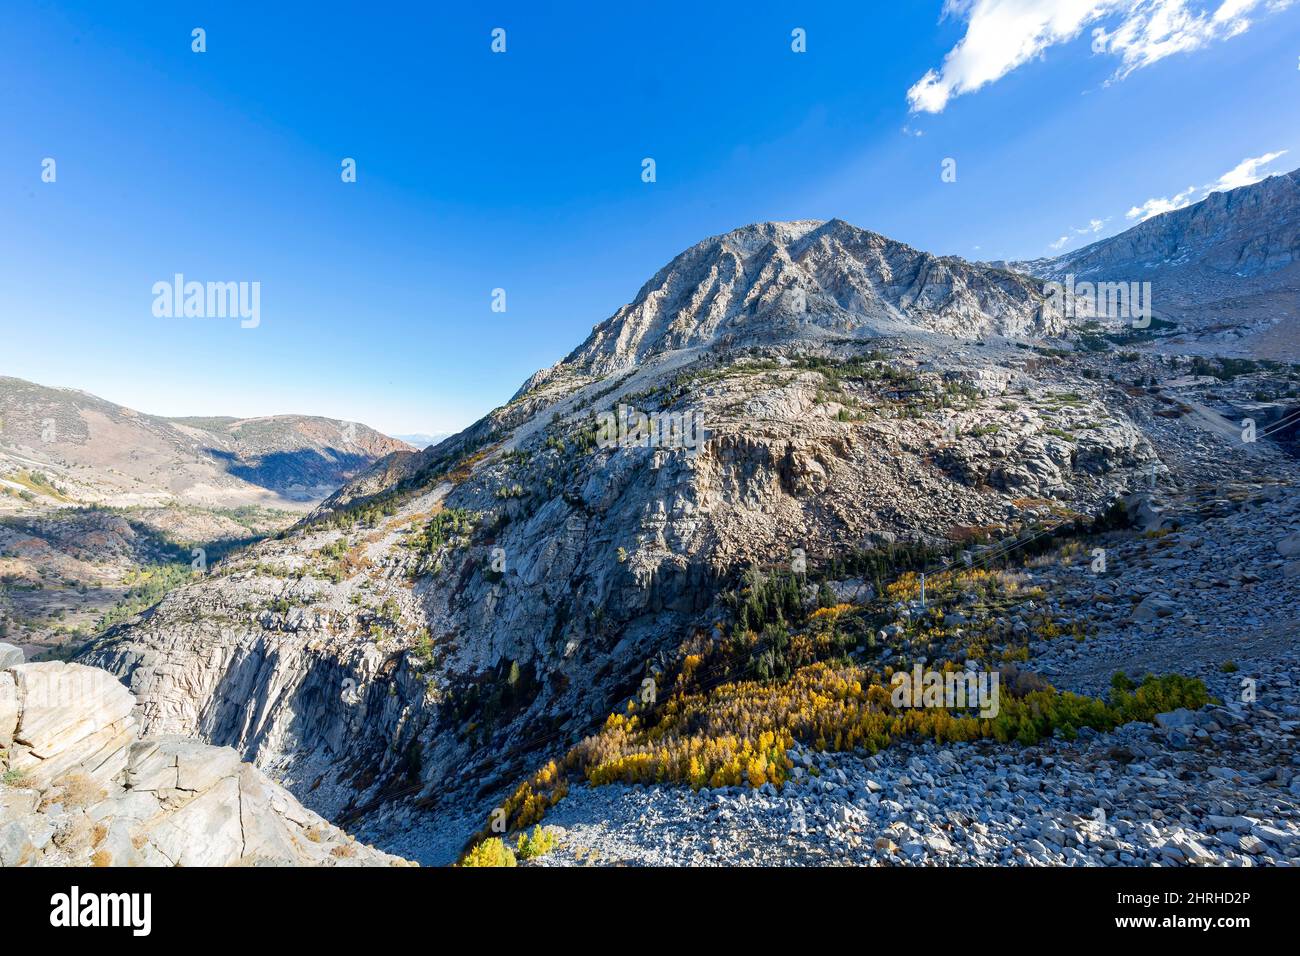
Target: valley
column 104, row 509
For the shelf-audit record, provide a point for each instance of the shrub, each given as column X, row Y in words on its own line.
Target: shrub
column 13, row 778
column 446, row 527
column 491, row 852
column 540, row 842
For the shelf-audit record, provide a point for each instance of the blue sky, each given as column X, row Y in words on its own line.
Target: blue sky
column 522, row 170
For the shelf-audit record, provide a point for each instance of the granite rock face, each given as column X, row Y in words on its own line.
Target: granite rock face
column 78, row 786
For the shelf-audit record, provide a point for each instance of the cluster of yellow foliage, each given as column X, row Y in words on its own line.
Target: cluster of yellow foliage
column 532, row 798
column 523, row 808
column 738, row 733
column 489, row 852
column 944, row 584
column 540, row 842
column 690, row 664
column 830, row 614
column 623, row 751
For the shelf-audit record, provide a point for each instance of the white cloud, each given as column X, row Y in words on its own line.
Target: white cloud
column 1003, row 35
column 1245, row 173
column 1094, row 226
column 1163, row 204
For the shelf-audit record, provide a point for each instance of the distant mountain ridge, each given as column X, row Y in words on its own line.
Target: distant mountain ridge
column 1226, row 270
column 96, row 451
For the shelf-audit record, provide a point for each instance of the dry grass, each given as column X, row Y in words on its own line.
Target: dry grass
column 76, row 791
column 462, row 471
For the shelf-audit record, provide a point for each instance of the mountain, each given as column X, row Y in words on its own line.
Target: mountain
column 1225, row 271
column 88, row 450
column 805, row 281
column 716, row 503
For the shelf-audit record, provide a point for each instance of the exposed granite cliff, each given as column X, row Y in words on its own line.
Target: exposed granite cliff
column 79, row 786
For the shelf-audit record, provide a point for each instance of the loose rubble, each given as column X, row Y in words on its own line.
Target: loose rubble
column 1127, row 798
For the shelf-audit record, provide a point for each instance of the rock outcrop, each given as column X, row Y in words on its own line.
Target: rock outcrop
column 79, row 786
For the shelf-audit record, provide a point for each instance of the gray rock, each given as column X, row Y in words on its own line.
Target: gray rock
column 939, row 843
column 1180, row 719
column 22, row 840
column 1154, row 606
column 1274, row 835
column 1238, row 824
column 1289, row 547
column 169, row 801
column 1248, row 843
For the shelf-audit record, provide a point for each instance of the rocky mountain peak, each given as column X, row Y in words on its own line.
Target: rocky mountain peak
column 805, row 280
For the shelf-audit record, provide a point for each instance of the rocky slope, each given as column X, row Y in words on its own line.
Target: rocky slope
column 1216, row 599
column 79, row 787
column 453, row 616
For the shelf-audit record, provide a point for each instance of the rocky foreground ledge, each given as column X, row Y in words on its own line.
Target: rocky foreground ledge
column 79, row 787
